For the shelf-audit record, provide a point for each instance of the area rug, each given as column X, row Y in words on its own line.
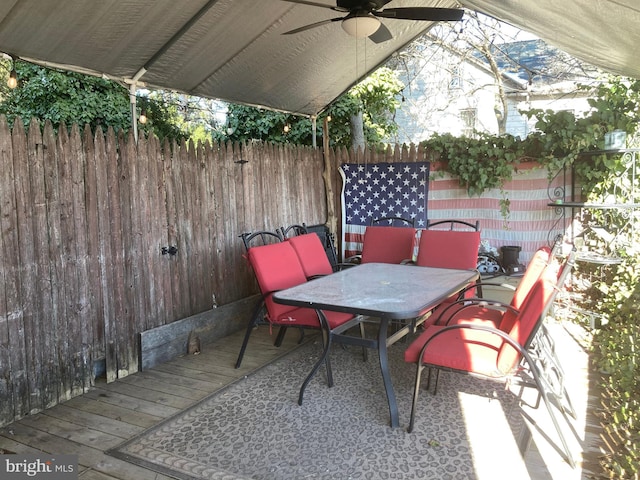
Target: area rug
column 254, row 428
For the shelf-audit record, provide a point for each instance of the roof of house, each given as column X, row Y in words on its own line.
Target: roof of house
column 538, row 63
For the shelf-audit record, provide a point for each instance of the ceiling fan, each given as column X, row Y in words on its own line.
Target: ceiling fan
column 362, row 19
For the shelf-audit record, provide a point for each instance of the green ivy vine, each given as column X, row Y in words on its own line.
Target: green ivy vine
column 488, row 162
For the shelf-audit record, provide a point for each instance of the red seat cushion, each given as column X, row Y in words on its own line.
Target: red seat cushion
column 533, row 271
column 471, row 313
column 311, row 253
column 388, row 244
column 449, row 249
column 502, row 319
column 463, row 349
column 533, row 306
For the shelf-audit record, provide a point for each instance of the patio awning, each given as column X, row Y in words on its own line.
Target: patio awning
column 234, row 50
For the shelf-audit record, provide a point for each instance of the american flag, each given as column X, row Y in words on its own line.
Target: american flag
column 376, row 190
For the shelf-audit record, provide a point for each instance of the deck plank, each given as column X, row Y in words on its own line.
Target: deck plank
column 94, row 458
column 156, row 386
column 151, row 398
column 111, row 396
column 117, row 428
column 72, row 431
column 89, row 402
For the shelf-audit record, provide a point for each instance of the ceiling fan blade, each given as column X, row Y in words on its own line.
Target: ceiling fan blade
column 312, row 25
column 431, row 14
column 311, row 4
column 381, row 35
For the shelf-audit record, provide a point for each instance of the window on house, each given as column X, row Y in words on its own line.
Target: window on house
column 468, row 117
column 456, row 77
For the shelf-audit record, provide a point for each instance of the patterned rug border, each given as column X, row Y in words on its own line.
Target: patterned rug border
column 152, row 458
column 117, row 453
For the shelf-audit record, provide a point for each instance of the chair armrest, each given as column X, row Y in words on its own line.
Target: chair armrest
column 319, row 275
column 354, row 259
column 447, row 314
column 495, row 284
column 495, row 331
column 342, row 265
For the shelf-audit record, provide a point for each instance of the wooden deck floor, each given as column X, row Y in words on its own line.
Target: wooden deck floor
column 111, row 413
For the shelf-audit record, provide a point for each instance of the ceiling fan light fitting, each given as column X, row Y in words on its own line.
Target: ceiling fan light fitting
column 360, row 26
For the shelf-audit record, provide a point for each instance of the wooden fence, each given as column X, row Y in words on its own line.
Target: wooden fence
column 84, row 219
column 83, row 222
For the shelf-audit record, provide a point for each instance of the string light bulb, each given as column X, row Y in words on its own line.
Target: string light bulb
column 12, row 82
column 286, row 128
column 143, row 117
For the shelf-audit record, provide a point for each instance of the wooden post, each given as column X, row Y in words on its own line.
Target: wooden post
column 327, row 176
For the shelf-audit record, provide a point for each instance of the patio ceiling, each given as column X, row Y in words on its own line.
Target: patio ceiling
column 234, row 50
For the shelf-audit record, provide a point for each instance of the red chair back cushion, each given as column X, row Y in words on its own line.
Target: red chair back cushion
column 276, row 267
column 388, row 244
column 311, row 254
column 526, row 322
column 535, row 268
column 448, row 249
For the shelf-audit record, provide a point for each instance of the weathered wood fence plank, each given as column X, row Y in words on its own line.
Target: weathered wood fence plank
column 51, row 389
column 24, row 329
column 41, row 283
column 11, row 355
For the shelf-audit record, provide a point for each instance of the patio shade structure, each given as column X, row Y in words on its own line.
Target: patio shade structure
column 235, row 50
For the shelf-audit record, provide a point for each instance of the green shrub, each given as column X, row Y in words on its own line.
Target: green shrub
column 617, row 355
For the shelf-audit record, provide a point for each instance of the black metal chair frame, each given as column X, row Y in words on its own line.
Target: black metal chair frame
column 475, row 226
column 291, row 230
column 410, row 222
column 265, row 236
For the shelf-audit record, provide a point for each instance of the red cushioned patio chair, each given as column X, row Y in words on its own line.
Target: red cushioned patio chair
column 449, row 248
column 445, row 246
column 387, row 244
column 311, row 254
column 479, row 309
column 276, row 267
column 387, row 240
column 491, row 353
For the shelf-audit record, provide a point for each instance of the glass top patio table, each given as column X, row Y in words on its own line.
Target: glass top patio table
column 382, row 291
